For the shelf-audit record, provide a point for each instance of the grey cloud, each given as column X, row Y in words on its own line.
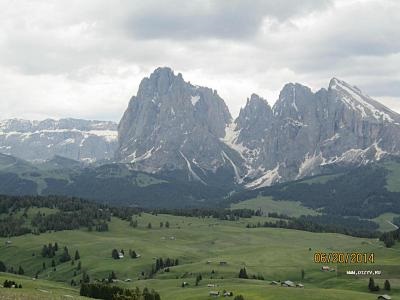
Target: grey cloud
column 236, row 47
column 386, row 88
column 232, row 19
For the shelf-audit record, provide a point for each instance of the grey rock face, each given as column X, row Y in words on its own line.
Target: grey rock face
column 171, row 124
column 309, row 131
column 174, row 126
column 76, row 139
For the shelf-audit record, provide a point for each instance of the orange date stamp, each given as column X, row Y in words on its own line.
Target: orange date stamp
column 344, row 257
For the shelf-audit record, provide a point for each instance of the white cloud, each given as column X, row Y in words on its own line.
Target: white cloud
column 86, row 58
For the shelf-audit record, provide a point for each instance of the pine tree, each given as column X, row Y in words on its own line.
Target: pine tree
column 198, row 279
column 45, row 251
column 303, row 274
column 65, row 256
column 167, row 224
column 77, row 256
column 389, row 241
column 3, row 267
column 115, row 254
column 112, row 276
column 134, row 223
column 55, row 246
column 149, row 226
column 371, row 284
column 20, row 271
column 85, row 277
column 243, row 273
column 79, row 266
column 387, row 285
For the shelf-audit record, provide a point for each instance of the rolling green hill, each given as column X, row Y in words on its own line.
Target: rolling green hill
column 200, row 244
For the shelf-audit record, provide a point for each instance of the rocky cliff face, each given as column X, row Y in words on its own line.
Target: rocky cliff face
column 310, row 131
column 76, row 139
column 173, row 125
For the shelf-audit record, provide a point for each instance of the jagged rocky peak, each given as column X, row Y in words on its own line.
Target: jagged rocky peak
column 295, row 101
column 254, row 118
column 354, row 99
column 255, row 107
column 160, row 82
column 308, row 131
column 172, row 124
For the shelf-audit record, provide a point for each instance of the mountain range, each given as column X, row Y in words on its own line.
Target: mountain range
column 81, row 140
column 176, row 129
column 173, row 125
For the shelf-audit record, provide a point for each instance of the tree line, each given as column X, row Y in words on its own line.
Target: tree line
column 69, row 214
column 390, row 238
column 217, row 213
column 326, row 223
column 165, row 263
column 110, row 292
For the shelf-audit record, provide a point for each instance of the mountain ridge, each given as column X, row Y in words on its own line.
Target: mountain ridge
column 302, row 134
column 78, row 139
column 174, row 128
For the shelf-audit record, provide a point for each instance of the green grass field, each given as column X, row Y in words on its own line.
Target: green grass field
column 385, row 221
column 296, row 209
column 200, row 245
column 267, row 205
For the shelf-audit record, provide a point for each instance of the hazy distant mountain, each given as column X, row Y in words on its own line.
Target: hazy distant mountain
column 172, row 125
column 76, row 139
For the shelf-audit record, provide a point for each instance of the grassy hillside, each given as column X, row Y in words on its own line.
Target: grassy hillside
column 200, row 244
column 268, row 205
column 385, row 221
column 37, row 289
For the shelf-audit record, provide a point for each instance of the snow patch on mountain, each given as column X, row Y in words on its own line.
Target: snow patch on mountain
column 235, row 168
column 230, row 139
column 270, row 177
column 309, row 164
column 193, row 174
column 194, row 99
column 353, row 97
column 77, row 139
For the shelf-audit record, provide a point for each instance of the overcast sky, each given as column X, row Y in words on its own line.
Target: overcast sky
column 85, row 59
